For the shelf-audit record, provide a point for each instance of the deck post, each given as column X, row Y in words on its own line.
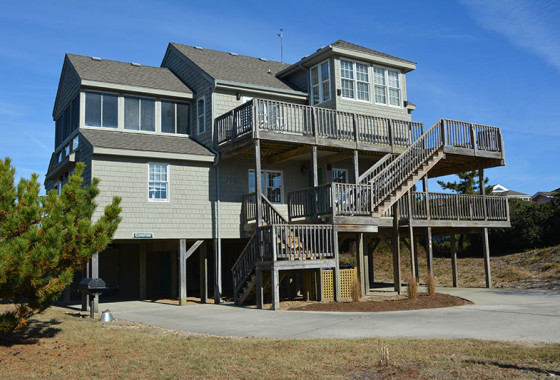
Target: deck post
column 95, row 274
column 217, row 269
column 360, row 245
column 320, row 293
column 486, row 248
column 356, row 166
column 416, row 271
column 336, row 278
column 182, row 272
column 366, row 267
column 85, row 298
column 454, row 260
column 429, row 250
column 204, row 273
column 396, row 250
column 258, row 184
column 142, row 270
column 315, row 179
column 427, row 199
column 411, row 237
column 371, row 272
column 275, row 288
column 259, row 286
column 482, row 191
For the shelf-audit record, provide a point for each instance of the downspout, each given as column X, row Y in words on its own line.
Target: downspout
column 218, row 249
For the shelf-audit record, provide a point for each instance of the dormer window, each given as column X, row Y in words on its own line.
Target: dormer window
column 320, row 83
column 387, row 87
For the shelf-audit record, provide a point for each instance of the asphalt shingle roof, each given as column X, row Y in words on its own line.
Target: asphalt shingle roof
column 350, row 46
column 236, row 68
column 103, row 138
column 126, row 73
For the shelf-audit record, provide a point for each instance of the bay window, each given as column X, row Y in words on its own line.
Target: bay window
column 320, row 83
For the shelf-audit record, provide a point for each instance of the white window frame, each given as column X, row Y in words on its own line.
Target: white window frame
column 345, row 171
column 265, row 185
column 387, row 87
column 198, row 117
column 320, row 83
column 355, row 81
column 168, row 183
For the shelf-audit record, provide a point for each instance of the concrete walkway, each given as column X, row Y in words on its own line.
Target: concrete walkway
column 497, row 314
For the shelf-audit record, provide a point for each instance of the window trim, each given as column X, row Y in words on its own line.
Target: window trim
column 168, row 182
column 198, row 131
column 265, row 187
column 322, row 98
column 386, row 74
column 355, row 80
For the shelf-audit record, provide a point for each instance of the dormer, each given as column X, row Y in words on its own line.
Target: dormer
column 352, row 78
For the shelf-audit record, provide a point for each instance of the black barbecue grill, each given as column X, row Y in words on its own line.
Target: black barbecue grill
column 92, row 287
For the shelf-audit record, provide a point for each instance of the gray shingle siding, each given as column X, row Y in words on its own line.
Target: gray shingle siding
column 68, row 87
column 189, row 212
column 200, row 86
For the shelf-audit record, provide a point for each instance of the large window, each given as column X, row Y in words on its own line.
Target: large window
column 174, row 117
column 101, row 110
column 158, row 182
column 387, row 87
column 355, row 80
column 320, row 83
column 271, row 183
column 139, row 114
column 200, row 116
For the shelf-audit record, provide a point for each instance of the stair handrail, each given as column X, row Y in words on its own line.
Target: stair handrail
column 369, row 174
column 244, row 264
column 387, row 180
column 275, row 216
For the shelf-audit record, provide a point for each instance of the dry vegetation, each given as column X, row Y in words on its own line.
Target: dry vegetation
column 536, row 269
column 62, row 344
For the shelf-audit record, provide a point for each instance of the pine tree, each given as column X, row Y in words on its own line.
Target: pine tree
column 44, row 240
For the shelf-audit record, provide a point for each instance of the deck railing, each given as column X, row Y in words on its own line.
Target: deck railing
column 271, row 215
column 479, row 137
column 297, row 119
column 283, row 242
column 337, row 199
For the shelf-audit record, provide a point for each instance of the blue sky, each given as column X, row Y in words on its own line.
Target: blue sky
column 488, row 62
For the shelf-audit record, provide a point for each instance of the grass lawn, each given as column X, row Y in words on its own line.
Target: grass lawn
column 60, row 343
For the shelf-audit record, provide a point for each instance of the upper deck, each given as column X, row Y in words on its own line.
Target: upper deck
column 283, row 127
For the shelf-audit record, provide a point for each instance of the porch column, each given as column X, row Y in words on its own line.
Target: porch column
column 371, row 269
column 453, row 260
column 259, row 286
column 182, row 272
column 314, row 165
column 275, row 288
column 429, row 250
column 411, row 237
column 396, row 250
column 366, row 267
column 142, row 271
column 356, row 166
column 217, row 270
column 486, row 248
column 258, row 185
column 204, row 273
column 95, row 274
column 361, row 266
column 336, row 278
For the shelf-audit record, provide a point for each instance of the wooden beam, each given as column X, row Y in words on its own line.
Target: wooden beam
column 486, row 248
column 182, row 272
column 454, row 260
column 411, row 236
column 275, row 284
column 396, row 250
column 193, row 248
column 356, row 166
column 371, row 267
column 204, row 273
column 258, row 184
column 336, row 278
column 338, row 157
column 286, row 156
column 360, row 244
column 429, row 250
column 259, row 288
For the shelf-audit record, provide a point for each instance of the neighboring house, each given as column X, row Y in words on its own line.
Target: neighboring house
column 333, row 140
column 544, row 196
column 505, row 192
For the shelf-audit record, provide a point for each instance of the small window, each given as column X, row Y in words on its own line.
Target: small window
column 200, row 116
column 347, row 81
column 340, row 175
column 387, row 87
column 271, row 183
column 174, row 117
column 139, row 114
column 320, row 83
column 158, row 182
column 75, row 143
column 60, row 156
column 67, row 150
column 101, row 110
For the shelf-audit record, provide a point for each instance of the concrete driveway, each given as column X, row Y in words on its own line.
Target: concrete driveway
column 497, row 314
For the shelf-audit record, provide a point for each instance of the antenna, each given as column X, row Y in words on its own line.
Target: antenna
column 281, row 35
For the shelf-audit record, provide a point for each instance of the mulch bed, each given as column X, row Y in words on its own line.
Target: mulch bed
column 424, row 301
